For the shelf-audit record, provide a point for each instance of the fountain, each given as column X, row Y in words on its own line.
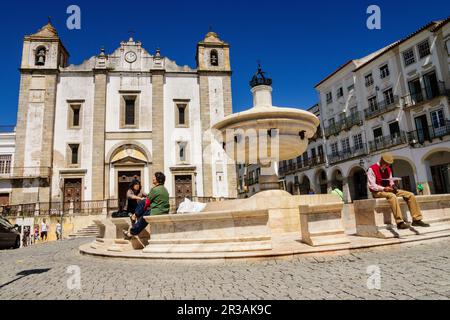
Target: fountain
column 265, row 134
column 266, row 224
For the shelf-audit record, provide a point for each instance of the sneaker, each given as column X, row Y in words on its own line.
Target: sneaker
column 402, row 225
column 420, row 223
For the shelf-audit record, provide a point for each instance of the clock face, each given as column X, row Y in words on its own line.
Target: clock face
column 130, row 56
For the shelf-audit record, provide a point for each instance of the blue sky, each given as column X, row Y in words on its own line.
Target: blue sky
column 298, row 42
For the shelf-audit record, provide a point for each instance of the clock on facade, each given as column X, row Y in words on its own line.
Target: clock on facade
column 130, row 57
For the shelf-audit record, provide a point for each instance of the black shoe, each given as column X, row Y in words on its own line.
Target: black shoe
column 402, row 225
column 420, row 223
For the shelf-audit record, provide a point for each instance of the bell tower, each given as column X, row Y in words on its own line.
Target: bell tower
column 44, row 50
column 213, row 54
column 43, row 55
column 214, row 72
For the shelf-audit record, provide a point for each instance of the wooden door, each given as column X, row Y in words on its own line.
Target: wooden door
column 4, row 199
column 72, row 193
column 183, row 189
column 125, row 178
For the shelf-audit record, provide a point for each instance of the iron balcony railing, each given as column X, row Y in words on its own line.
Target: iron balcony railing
column 389, row 141
column 26, row 172
column 353, row 119
column 349, row 153
column 304, row 164
column 334, row 129
column 425, row 94
column 317, row 135
column 428, row 134
column 55, row 208
column 382, row 107
column 347, row 123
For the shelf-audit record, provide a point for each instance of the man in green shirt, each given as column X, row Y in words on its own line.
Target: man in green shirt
column 159, row 204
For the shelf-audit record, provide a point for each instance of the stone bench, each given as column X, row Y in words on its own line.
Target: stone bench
column 321, row 224
column 111, row 235
column 220, row 231
column 374, row 217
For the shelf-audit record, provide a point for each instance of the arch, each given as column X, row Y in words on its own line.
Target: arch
column 353, row 168
column 40, row 55
column 431, row 152
column 404, row 168
column 357, row 183
column 321, row 181
column 121, row 145
column 337, row 178
column 305, row 184
column 214, row 57
column 410, row 162
column 290, row 187
column 437, row 163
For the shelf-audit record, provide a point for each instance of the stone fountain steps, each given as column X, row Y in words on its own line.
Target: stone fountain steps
column 209, row 245
column 89, row 231
column 389, row 232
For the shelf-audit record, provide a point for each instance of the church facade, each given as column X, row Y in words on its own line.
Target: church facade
column 85, row 131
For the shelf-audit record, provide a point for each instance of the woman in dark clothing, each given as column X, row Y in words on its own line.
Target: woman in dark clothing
column 134, row 195
column 159, row 204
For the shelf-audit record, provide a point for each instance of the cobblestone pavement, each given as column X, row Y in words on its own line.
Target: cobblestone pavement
column 413, row 271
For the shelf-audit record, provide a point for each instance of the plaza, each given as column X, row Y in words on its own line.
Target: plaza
column 271, row 224
column 420, row 271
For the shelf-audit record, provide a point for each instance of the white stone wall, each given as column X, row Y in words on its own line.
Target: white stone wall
column 219, row 168
column 120, row 84
column 182, row 88
column 73, row 87
column 7, row 147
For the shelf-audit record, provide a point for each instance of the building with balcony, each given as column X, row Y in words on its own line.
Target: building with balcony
column 395, row 99
column 7, row 149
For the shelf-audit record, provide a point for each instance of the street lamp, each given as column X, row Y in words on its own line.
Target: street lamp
column 362, row 163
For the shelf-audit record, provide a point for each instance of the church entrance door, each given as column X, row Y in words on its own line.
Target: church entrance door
column 183, row 189
column 125, row 178
column 72, row 193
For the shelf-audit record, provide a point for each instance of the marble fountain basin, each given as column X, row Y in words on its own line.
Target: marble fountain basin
column 242, row 226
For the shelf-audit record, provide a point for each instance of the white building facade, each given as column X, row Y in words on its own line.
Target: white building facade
column 84, row 132
column 394, row 100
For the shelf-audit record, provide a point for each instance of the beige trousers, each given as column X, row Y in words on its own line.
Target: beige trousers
column 393, row 201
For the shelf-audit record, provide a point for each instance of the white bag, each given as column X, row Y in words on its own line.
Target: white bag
column 187, row 206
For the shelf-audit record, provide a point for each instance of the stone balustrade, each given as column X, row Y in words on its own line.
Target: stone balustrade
column 321, row 224
column 111, row 235
column 374, row 217
column 220, row 231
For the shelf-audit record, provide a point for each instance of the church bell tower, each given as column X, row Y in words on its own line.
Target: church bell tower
column 42, row 55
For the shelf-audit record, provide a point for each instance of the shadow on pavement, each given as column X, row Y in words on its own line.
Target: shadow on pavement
column 25, row 273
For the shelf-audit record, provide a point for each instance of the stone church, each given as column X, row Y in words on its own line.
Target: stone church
column 85, row 131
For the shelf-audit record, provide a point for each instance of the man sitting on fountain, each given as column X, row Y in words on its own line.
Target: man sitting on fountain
column 159, row 204
column 381, row 184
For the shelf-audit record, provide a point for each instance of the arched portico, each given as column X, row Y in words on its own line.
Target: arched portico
column 357, row 180
column 437, row 164
column 405, row 169
column 305, row 184
column 125, row 163
column 321, row 181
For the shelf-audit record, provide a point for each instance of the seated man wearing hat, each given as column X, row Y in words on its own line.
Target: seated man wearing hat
column 381, row 184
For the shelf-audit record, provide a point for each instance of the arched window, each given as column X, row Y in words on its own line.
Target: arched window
column 214, row 58
column 40, row 56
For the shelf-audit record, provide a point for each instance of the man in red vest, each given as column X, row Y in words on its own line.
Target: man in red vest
column 381, row 184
